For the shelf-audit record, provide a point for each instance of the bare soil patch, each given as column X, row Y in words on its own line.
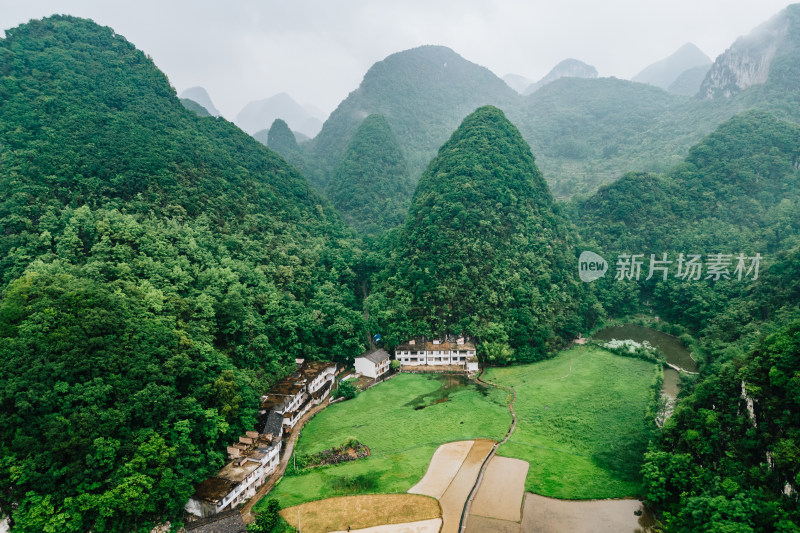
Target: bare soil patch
column 502, row 490
column 548, row 515
column 482, row 524
column 444, row 466
column 455, row 497
column 366, row 511
column 423, row 526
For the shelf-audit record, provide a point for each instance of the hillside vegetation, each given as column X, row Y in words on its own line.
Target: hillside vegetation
column 484, row 249
column 371, row 185
column 157, row 271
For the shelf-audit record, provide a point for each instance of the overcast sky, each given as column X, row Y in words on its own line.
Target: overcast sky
column 318, row 50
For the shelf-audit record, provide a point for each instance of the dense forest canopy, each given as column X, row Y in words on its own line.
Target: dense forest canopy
column 484, row 249
column 371, row 185
column 716, row 466
column 159, row 268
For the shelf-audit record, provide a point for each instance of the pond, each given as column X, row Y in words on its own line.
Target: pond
column 670, row 346
column 448, row 384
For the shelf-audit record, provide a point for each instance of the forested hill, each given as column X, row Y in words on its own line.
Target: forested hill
column 157, row 271
column 423, row 93
column 484, row 249
column 727, row 458
column 371, row 186
column 739, row 187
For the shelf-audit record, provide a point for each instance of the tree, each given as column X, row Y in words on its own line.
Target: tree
column 268, row 521
column 345, row 390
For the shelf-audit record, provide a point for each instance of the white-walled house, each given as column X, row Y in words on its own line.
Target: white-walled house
column 451, row 351
column 373, row 363
column 255, row 458
column 294, row 395
column 256, row 455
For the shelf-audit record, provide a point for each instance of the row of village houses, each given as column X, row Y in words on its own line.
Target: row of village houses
column 255, row 456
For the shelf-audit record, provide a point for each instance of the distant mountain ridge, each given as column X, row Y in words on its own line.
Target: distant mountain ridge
column 200, row 95
column 259, row 114
column 517, row 82
column 569, row 68
column 749, row 61
column 423, row 93
column 665, row 72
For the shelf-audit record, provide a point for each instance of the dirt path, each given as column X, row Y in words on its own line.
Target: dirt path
column 570, row 370
column 444, row 465
column 247, row 516
column 465, row 511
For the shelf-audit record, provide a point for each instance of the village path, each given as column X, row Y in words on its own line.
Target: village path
column 465, row 513
column 246, row 509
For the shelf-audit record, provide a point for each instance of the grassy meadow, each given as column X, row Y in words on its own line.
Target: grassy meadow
column 580, row 422
column 402, row 421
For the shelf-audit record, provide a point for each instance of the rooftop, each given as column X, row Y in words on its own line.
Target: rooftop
column 236, row 474
column 429, row 345
column 227, row 522
column 213, row 489
column 376, row 355
column 291, row 385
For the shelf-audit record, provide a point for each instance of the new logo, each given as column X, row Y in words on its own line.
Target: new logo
column 591, row 266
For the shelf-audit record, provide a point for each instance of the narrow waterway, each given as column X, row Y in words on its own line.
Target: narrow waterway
column 672, row 347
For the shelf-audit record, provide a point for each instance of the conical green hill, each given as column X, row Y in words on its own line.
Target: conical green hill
column 371, row 185
column 484, row 250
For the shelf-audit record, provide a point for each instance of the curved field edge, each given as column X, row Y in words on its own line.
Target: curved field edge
column 402, row 439
column 580, row 422
column 358, row 512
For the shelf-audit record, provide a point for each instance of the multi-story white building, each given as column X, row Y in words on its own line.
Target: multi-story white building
column 451, row 351
column 256, row 455
column 373, row 363
column 255, row 458
column 294, row 395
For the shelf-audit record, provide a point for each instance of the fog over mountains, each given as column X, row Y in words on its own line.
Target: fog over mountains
column 162, row 267
column 665, row 72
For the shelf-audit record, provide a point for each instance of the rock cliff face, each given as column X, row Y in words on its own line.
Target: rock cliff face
column 747, row 62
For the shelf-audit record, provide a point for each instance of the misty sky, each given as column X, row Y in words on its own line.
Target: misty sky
column 318, row 50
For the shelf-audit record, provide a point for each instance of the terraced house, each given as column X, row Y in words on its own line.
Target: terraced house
column 256, row 455
column 253, row 459
column 292, row 397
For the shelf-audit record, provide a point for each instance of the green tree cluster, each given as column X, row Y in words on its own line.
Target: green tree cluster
column 371, row 186
column 716, row 467
column 158, row 270
column 484, row 249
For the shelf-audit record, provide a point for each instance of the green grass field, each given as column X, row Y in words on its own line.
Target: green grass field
column 580, row 422
column 402, row 437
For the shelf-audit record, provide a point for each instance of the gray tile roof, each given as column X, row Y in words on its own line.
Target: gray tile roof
column 376, row 355
column 227, row 522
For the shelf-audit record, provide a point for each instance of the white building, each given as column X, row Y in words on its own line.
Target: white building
column 256, row 455
column 451, row 351
column 373, row 363
column 294, row 395
column 255, row 458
